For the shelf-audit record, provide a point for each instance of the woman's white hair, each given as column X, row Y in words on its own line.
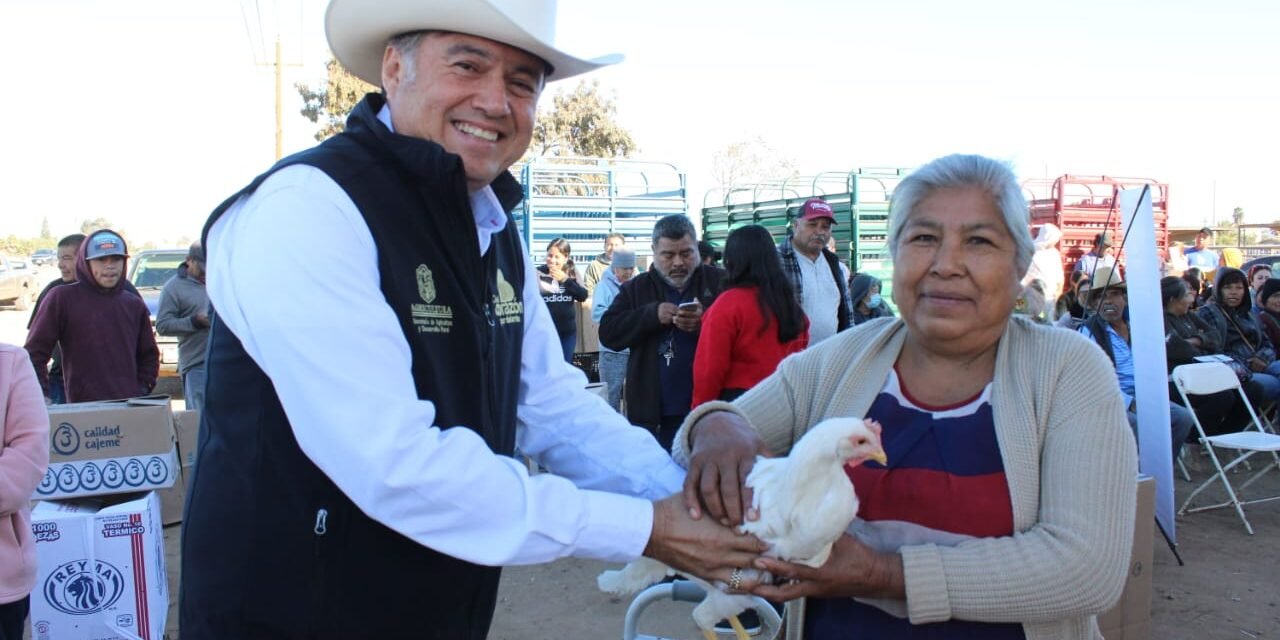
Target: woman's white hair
column 960, row 171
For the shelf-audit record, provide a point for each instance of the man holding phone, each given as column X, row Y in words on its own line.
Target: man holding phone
column 657, row 315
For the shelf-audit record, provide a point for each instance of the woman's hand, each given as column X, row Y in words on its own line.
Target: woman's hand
column 1195, row 341
column 854, row 569
column 557, row 273
column 724, row 449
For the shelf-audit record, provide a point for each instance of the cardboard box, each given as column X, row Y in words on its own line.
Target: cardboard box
column 1130, row 619
column 101, row 570
column 104, row 448
column 186, row 425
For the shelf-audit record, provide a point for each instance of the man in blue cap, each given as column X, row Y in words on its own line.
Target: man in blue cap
column 108, row 349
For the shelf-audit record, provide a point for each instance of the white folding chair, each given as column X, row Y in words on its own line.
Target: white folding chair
column 1211, row 377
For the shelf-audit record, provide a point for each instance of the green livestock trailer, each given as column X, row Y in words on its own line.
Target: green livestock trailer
column 859, row 198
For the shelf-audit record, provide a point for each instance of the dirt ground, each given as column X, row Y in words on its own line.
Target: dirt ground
column 1229, row 588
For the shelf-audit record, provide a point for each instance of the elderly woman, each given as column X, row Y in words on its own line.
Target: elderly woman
column 1007, row 506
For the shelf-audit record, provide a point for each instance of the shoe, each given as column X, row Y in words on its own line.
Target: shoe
column 750, row 621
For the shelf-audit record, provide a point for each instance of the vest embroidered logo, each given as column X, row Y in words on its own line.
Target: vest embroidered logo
column 426, row 285
column 430, row 318
column 83, row 587
column 506, row 305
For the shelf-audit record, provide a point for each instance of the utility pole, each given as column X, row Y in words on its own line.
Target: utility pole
column 279, row 65
column 279, row 103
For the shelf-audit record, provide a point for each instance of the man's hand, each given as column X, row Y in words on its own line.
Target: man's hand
column 724, row 449
column 853, row 570
column 698, row 547
column 667, row 312
column 1257, row 365
column 200, row 319
column 688, row 318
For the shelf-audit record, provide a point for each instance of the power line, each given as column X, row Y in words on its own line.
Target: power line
column 262, row 42
column 249, row 34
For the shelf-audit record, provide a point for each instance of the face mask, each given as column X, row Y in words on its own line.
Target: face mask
column 874, row 301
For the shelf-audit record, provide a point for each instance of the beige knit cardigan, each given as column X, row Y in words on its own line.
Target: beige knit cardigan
column 1069, row 459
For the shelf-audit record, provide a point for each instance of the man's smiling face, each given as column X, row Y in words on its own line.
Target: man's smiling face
column 475, row 97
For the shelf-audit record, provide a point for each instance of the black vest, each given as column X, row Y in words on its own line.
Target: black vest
column 271, row 547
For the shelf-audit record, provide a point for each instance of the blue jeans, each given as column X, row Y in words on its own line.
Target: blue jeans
column 1181, row 425
column 1269, row 382
column 57, row 389
column 613, row 371
column 193, row 384
column 567, row 343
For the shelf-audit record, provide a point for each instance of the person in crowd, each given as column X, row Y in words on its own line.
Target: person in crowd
column 1188, row 337
column 1101, row 255
column 1176, row 264
column 868, row 304
column 658, row 316
column 1006, row 508
column 845, row 273
column 1230, row 314
column 370, row 378
column 613, row 364
column 814, row 271
column 24, row 456
column 754, row 324
column 1202, row 291
column 1258, row 274
column 1071, row 309
column 108, row 348
column 1109, row 328
column 1201, row 256
column 1268, row 309
column 558, row 284
column 600, row 264
column 1232, row 257
column 1031, row 302
column 1046, row 264
column 710, row 255
column 68, row 247
column 184, row 312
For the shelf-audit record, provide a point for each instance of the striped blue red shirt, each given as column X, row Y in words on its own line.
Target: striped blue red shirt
column 945, row 481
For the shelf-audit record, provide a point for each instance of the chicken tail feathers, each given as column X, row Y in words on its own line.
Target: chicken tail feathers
column 632, row 578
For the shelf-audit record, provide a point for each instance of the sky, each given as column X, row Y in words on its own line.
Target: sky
column 149, row 112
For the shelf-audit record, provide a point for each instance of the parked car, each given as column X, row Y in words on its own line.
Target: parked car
column 17, row 283
column 148, row 271
column 1272, row 262
column 44, row 258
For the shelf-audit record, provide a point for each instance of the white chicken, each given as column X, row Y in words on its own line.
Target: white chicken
column 805, row 502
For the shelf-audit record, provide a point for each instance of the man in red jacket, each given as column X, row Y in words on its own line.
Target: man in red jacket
column 108, row 349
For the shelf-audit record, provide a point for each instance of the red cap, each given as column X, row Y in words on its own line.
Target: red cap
column 817, row 208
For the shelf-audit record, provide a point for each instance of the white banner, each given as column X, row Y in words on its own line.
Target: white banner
column 1146, row 326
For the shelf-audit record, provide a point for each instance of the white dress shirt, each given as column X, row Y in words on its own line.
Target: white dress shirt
column 821, row 297
column 292, row 272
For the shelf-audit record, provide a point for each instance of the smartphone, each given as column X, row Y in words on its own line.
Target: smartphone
column 690, row 306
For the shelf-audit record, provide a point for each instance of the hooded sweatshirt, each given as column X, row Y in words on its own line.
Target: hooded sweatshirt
column 1243, row 336
column 108, row 348
column 859, row 285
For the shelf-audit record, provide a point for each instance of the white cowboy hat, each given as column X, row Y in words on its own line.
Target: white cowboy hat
column 358, row 30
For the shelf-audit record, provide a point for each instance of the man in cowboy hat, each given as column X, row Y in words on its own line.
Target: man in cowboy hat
column 354, row 476
column 1109, row 297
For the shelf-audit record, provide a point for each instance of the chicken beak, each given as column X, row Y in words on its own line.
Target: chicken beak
column 880, row 457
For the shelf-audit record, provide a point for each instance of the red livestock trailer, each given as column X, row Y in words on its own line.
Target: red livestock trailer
column 1084, row 206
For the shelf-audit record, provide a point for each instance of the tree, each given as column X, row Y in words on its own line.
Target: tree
column 89, row 226
column 581, row 123
column 748, row 162
column 329, row 105
column 1237, row 215
column 45, row 232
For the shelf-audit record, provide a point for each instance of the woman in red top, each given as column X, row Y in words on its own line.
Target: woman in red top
column 752, row 326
